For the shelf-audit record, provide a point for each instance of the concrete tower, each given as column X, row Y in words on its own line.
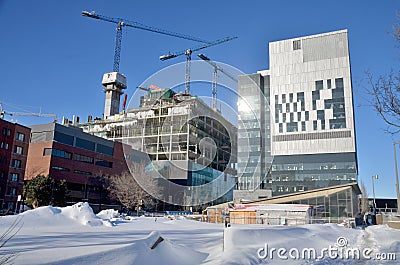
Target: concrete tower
column 113, row 83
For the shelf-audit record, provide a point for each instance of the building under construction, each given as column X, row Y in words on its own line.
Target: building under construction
column 188, row 143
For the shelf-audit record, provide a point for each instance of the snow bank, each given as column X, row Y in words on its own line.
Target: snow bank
column 241, row 243
column 80, row 213
column 141, row 252
column 108, row 214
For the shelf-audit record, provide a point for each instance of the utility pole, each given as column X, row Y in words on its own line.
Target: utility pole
column 397, row 177
column 373, row 191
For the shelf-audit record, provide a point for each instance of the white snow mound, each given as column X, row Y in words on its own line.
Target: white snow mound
column 141, row 252
column 80, row 213
column 108, row 214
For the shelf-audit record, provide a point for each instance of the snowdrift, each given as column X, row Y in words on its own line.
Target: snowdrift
column 141, row 252
column 80, row 213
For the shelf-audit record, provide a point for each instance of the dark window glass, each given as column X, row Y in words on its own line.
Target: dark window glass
column 296, row 45
column 16, row 163
column 280, row 127
column 303, row 126
column 83, row 158
column 287, row 107
column 60, row 168
column 329, row 83
column 85, row 144
column 14, row 177
column 63, row 138
column 339, row 82
column 18, row 150
column 20, row 136
column 315, row 125
column 105, row 149
column 291, row 127
column 82, row 172
column 104, row 163
column 290, row 97
column 307, row 114
column 283, row 98
column 319, row 85
column 320, row 115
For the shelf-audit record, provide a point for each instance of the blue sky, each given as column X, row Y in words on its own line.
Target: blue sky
column 52, row 59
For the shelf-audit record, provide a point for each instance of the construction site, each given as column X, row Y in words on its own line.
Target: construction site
column 188, row 143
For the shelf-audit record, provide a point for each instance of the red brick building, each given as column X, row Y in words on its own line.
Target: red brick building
column 66, row 152
column 14, row 143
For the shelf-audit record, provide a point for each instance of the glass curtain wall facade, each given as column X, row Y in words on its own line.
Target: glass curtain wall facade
column 310, row 120
column 254, row 145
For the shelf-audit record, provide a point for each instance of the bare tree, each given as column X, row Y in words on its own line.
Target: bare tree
column 364, row 198
column 127, row 190
column 384, row 91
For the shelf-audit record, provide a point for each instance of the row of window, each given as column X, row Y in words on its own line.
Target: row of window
column 6, row 132
column 76, row 157
column 83, row 143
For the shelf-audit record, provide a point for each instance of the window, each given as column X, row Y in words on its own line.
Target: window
column 283, row 117
column 276, row 99
column 320, row 115
column 328, row 83
column 315, row 125
column 82, row 172
column 18, row 150
column 319, row 85
column 290, row 97
column 295, row 107
column 283, row 98
column 4, row 131
column 323, row 124
column 12, row 191
column 6, row 147
column 16, row 163
column 307, row 116
column 63, row 138
column 83, row 158
column 8, row 132
column 107, row 150
column 57, row 153
column 303, row 126
column 60, row 168
column 280, row 127
column 104, row 163
column 20, row 137
column 287, row 107
column 85, row 144
column 339, row 82
column 14, row 177
column 296, row 45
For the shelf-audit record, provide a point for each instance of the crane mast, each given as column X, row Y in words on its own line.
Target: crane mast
column 215, row 77
column 188, row 54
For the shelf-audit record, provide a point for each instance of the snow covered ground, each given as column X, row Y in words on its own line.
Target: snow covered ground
column 75, row 235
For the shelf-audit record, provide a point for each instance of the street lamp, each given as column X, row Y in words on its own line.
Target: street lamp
column 397, row 178
column 373, row 191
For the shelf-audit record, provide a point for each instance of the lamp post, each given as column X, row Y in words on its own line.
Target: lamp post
column 373, row 191
column 397, row 178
